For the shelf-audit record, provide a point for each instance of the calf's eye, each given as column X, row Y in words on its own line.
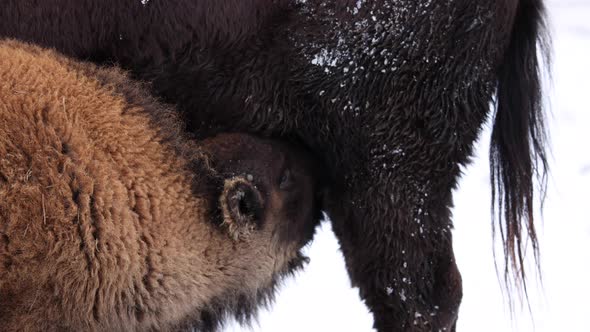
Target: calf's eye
column 286, row 182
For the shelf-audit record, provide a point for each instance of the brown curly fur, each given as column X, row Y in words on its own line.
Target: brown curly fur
column 102, row 225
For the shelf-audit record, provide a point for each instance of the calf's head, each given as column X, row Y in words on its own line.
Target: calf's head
column 267, row 186
column 266, row 211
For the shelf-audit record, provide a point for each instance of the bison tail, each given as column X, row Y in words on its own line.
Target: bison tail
column 517, row 151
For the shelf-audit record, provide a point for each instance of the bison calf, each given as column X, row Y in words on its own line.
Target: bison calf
column 103, row 226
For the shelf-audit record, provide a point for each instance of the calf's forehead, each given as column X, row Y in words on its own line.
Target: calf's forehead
column 241, row 153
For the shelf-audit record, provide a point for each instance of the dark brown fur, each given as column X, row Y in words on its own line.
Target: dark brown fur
column 389, row 94
column 104, row 228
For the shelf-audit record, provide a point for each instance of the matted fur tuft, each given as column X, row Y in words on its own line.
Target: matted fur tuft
column 238, row 225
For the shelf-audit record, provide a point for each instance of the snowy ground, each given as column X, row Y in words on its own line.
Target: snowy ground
column 321, row 299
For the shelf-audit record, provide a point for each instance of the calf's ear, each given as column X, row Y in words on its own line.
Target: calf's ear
column 242, row 206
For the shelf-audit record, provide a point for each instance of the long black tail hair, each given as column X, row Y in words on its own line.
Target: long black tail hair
column 517, row 151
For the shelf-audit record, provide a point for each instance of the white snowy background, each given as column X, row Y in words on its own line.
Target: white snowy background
column 321, row 299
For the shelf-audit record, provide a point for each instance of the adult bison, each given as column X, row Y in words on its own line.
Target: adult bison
column 105, row 227
column 389, row 94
